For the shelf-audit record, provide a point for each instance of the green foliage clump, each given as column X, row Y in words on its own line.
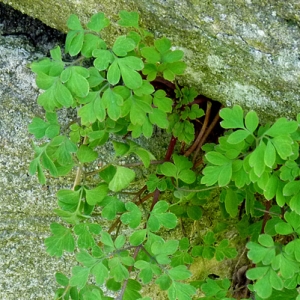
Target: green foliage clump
column 119, row 245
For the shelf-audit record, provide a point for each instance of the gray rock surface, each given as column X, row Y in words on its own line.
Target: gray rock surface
column 26, row 271
column 244, row 52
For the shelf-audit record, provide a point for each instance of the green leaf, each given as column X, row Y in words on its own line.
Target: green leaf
column 295, row 203
column 68, row 199
column 151, row 55
column 221, row 174
column 114, row 74
column 291, row 188
column 283, row 228
column 122, row 178
column 168, row 169
column 113, row 102
column 79, row 276
column 270, row 154
column 194, row 212
column 61, row 240
column 100, row 272
column 123, row 45
column 179, row 273
column 138, row 237
column 217, row 158
column 283, row 145
column 232, row 117
column 129, row 66
column 162, row 44
column 103, row 59
column 73, row 22
column 98, row 22
column 85, row 238
column 106, row 239
column 76, row 80
column 266, row 240
column 85, row 154
column 164, row 282
column 133, row 216
column 112, row 206
column 271, row 187
column 232, row 202
column 117, row 270
column 159, row 118
column 251, row 121
column 182, row 291
column 97, row 194
column 238, row 136
column 74, row 42
column 38, row 127
column 129, row 19
column 282, row 127
column 256, row 160
column 131, row 291
column 61, row 279
column 259, row 253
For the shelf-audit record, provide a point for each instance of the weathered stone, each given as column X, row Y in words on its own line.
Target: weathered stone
column 244, row 52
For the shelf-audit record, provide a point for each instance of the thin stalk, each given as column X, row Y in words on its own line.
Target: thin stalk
column 202, row 131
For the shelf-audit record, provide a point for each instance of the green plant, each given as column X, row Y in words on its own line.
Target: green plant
column 119, row 94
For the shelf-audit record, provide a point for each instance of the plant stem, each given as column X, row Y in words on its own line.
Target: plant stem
column 202, row 131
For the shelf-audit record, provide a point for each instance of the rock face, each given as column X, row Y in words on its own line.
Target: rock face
column 244, row 52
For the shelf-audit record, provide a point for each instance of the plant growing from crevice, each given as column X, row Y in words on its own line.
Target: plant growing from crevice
column 120, row 94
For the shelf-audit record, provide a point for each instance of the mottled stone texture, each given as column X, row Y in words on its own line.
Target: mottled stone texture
column 240, row 51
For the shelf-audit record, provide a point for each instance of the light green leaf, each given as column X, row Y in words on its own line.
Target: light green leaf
column 238, row 136
column 128, row 66
column 79, row 276
column 295, row 203
column 138, row 237
column 123, row 45
column 98, row 22
column 133, row 216
column 282, row 127
column 217, row 158
column 283, row 145
column 232, row 117
column 129, row 19
column 73, row 22
column 256, row 159
column 251, row 121
column 62, row 239
column 112, row 206
column 100, row 272
column 162, row 44
column 86, row 154
column 97, row 194
column 114, row 74
column 179, row 273
column 121, row 179
column 113, row 102
column 266, row 240
column 283, row 228
column 271, row 187
column 270, row 154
